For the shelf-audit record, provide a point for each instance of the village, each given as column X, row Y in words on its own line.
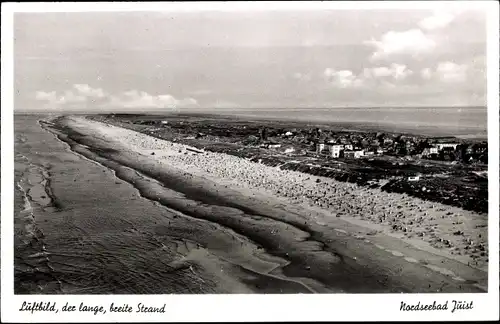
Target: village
column 355, row 145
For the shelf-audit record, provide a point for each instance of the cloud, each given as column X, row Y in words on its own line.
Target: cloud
column 86, row 90
column 416, row 41
column 439, row 19
column 374, row 76
column 46, row 96
column 68, row 97
column 342, row 78
column 395, row 71
column 451, row 72
column 78, row 94
column 412, row 41
column 141, row 99
column 81, row 94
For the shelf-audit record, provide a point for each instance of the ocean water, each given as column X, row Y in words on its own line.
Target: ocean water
column 442, row 121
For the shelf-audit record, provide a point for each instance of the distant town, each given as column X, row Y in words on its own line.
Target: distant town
column 365, row 145
column 334, row 144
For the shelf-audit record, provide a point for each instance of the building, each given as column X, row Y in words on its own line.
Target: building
column 320, row 148
column 358, row 154
column 290, row 150
column 369, row 153
column 336, row 150
column 416, row 177
column 441, row 146
column 353, row 154
column 348, row 147
column 349, row 154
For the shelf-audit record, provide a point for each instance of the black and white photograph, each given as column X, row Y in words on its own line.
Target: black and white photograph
column 237, row 150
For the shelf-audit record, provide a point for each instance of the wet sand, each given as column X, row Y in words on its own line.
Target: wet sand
column 95, row 234
column 115, row 211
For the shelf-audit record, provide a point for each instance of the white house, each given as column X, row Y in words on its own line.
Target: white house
column 358, row 154
column 354, row 154
column 441, row 146
column 320, row 147
column 335, row 150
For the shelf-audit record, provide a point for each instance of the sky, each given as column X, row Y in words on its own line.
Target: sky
column 159, row 61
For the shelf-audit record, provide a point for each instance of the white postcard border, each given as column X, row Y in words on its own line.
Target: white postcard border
column 201, row 308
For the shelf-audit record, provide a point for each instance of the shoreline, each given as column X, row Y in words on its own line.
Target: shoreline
column 165, row 252
column 392, row 252
column 131, row 175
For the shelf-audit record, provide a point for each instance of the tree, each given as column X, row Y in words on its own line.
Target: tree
column 484, row 157
column 402, row 150
column 380, row 138
column 461, row 152
column 263, row 134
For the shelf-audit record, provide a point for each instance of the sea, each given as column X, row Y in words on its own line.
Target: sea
column 462, row 122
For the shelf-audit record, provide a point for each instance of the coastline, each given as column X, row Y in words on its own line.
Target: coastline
column 355, row 248
column 104, row 237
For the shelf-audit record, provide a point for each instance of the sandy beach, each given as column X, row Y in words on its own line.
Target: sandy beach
column 175, row 221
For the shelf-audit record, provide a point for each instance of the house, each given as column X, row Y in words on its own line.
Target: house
column 369, row 153
column 348, row 147
column 349, row 154
column 320, row 147
column 358, row 154
column 273, row 145
column 441, row 146
column 434, row 150
column 414, row 178
column 353, row 154
column 336, row 150
column 330, row 141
